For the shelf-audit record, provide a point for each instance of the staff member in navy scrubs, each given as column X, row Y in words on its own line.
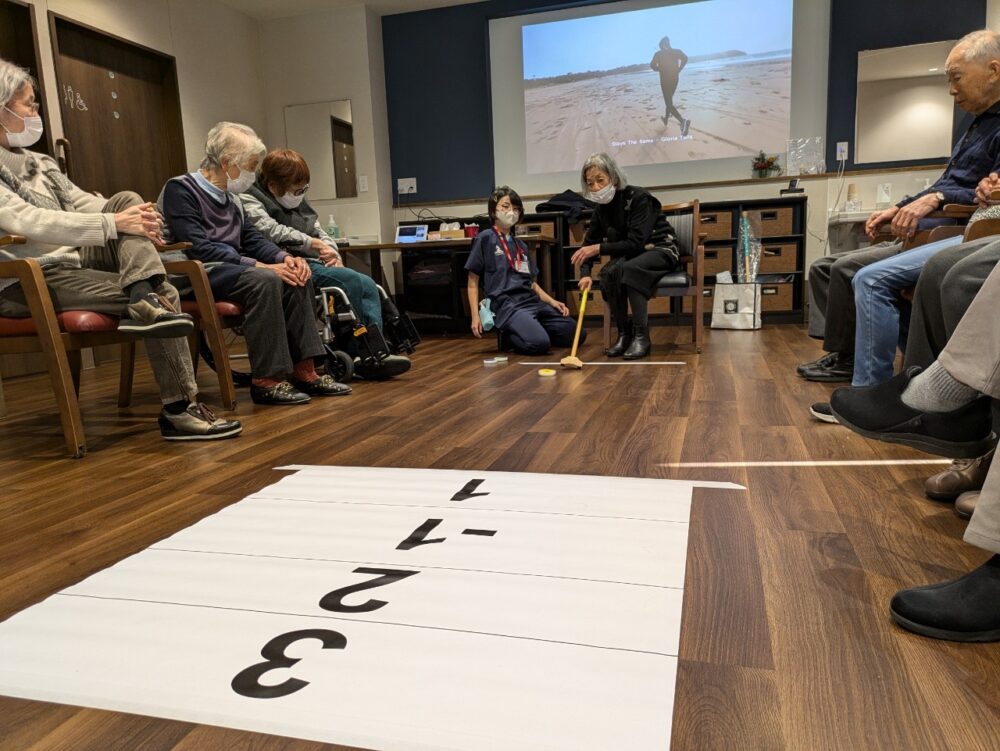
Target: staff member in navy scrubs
column 528, row 318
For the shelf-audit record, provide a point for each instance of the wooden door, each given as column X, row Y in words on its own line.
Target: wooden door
column 343, row 158
column 120, row 111
column 19, row 45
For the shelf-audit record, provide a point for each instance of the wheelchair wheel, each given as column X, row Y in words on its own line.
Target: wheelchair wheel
column 339, row 365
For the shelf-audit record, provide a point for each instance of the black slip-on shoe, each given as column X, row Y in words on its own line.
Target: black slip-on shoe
column 325, row 385
column 283, row 393
column 879, row 412
column 389, row 367
column 825, row 361
column 966, row 609
column 838, row 370
column 821, row 411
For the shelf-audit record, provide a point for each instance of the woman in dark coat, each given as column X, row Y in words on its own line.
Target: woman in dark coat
column 628, row 225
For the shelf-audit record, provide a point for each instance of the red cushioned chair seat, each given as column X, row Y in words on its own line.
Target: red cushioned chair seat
column 224, row 308
column 72, row 322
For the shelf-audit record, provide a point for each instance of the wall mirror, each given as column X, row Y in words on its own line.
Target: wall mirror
column 904, row 110
column 324, row 134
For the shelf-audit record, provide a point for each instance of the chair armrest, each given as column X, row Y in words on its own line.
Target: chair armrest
column 983, row 228
column 12, row 240
column 172, row 246
column 940, row 233
column 36, row 293
column 954, row 211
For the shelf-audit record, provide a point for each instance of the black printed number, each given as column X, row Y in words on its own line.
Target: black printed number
column 384, row 576
column 247, row 682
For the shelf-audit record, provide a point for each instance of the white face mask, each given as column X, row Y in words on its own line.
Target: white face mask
column 242, row 183
column 507, row 219
column 290, row 200
column 603, row 196
column 33, row 129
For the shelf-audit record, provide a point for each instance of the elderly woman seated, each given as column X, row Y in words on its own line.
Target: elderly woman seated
column 118, row 272
column 271, row 285
column 277, row 204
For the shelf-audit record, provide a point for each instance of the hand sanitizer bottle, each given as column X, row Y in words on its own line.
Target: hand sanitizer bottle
column 332, row 229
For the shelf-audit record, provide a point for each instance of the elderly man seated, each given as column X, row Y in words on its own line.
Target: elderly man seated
column 118, row 272
column 973, row 69
column 272, row 286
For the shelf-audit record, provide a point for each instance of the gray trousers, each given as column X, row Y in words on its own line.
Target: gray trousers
column 972, row 356
column 948, row 284
column 279, row 322
column 98, row 286
column 832, row 316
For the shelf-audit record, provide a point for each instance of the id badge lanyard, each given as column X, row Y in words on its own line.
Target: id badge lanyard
column 518, row 262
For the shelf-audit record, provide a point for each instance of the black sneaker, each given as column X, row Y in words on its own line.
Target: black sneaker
column 966, row 609
column 197, row 423
column 822, row 412
column 825, row 361
column 154, row 316
column 282, row 393
column 879, row 412
column 388, row 367
column 838, row 369
column 325, row 385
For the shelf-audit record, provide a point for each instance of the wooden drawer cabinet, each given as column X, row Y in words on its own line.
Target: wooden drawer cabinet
column 776, row 297
column 776, row 222
column 537, row 228
column 687, row 304
column 718, row 225
column 718, row 259
column 778, row 257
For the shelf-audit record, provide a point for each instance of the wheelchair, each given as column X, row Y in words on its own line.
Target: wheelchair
column 340, row 324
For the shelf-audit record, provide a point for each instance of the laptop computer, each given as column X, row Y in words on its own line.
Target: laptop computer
column 413, row 233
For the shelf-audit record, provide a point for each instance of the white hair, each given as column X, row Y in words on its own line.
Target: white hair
column 12, row 78
column 980, row 46
column 608, row 166
column 233, row 141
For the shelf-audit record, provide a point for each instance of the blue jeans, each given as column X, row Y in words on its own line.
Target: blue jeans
column 876, row 300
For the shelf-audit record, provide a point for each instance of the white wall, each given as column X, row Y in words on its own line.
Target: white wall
column 330, row 56
column 921, row 108
column 215, row 46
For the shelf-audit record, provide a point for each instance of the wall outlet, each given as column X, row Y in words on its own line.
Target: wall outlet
column 362, row 183
column 406, row 185
column 841, row 151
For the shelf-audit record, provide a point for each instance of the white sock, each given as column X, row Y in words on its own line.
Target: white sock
column 935, row 390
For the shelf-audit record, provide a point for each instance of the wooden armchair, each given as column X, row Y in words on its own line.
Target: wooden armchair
column 61, row 337
column 685, row 218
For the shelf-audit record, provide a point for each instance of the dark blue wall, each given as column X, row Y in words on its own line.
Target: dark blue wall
column 437, row 77
column 438, row 80
column 857, row 25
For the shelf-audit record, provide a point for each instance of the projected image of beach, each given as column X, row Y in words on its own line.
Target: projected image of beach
column 703, row 80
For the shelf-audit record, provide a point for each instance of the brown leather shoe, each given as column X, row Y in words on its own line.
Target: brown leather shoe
column 965, row 504
column 961, row 476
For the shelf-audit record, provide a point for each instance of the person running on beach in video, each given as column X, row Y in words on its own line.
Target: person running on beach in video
column 670, row 62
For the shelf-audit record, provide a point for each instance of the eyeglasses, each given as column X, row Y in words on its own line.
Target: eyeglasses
column 301, row 191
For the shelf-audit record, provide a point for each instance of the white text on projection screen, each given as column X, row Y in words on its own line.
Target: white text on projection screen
column 702, row 80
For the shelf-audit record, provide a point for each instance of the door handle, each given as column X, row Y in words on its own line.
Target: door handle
column 64, row 159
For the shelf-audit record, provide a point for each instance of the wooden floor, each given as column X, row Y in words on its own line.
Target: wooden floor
column 786, row 640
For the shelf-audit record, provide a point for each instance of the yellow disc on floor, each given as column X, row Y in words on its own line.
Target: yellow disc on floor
column 546, row 372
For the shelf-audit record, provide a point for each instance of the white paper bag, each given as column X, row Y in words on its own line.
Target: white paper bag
column 736, row 306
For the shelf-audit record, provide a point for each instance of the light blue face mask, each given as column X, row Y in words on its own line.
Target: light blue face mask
column 486, row 315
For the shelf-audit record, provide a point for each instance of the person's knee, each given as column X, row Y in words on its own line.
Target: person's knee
column 263, row 283
column 125, row 199
column 531, row 343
